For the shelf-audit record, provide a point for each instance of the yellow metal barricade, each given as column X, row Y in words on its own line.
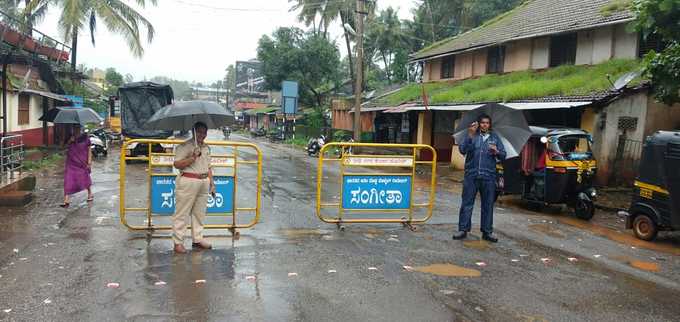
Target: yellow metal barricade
column 376, row 183
column 164, row 161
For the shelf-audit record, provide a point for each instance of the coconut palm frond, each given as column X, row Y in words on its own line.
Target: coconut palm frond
column 142, row 3
column 133, row 17
column 40, row 12
column 118, row 22
column 93, row 25
column 72, row 16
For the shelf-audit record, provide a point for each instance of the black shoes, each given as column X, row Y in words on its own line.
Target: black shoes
column 463, row 234
column 459, row 235
column 490, row 238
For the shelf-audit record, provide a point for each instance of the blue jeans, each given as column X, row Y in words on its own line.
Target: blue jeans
column 487, row 189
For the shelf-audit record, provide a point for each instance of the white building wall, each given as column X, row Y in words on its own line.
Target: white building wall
column 34, row 113
column 540, row 54
column 605, row 139
column 603, row 42
column 625, row 43
column 584, row 47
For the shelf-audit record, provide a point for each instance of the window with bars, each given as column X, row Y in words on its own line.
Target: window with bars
column 24, row 107
column 627, row 123
column 495, row 60
column 563, row 50
column 448, row 67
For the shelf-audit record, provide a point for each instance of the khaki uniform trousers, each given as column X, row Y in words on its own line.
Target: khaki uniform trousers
column 192, row 199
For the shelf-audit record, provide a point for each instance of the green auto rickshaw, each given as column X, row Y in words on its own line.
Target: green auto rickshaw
column 656, row 195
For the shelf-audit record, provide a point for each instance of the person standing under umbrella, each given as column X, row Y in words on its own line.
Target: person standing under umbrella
column 78, row 166
column 192, row 186
column 482, row 149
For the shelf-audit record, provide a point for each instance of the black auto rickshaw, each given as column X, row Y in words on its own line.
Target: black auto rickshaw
column 556, row 166
column 656, row 194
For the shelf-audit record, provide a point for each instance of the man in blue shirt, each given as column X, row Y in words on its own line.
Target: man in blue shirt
column 482, row 149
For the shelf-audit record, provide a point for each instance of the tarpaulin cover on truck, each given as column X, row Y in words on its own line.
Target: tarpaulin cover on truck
column 138, row 102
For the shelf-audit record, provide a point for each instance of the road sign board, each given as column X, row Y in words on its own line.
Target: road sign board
column 376, row 192
column 163, row 195
column 289, row 89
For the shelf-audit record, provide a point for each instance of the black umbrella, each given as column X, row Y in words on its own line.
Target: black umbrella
column 71, row 115
column 508, row 123
column 184, row 114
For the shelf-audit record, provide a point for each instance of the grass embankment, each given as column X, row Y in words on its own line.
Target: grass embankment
column 33, row 165
column 567, row 80
column 298, row 141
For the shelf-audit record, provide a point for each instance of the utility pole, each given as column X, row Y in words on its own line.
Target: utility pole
column 359, row 63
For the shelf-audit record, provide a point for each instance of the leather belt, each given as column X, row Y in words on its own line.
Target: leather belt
column 195, row 175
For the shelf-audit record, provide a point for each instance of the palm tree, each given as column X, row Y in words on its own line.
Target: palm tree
column 328, row 11
column 25, row 17
column 385, row 37
column 309, row 11
column 117, row 15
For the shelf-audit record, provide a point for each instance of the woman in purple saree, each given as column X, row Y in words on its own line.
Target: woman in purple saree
column 77, row 166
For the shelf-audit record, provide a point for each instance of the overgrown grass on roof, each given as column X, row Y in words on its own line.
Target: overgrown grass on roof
column 568, row 80
column 615, row 5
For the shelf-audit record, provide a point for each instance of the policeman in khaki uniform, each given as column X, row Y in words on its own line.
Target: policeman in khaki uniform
column 192, row 186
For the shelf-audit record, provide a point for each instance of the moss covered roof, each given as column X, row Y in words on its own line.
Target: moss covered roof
column 531, row 19
column 563, row 81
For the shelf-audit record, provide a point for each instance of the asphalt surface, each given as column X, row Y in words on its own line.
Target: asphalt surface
column 81, row 264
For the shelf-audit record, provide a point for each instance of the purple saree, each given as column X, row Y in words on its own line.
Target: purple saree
column 77, row 171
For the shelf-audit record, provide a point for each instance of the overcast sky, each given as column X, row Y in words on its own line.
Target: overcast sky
column 195, row 39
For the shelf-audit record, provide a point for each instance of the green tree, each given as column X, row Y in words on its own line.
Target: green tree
column 385, row 38
column 434, row 20
column 118, row 17
column 310, row 59
column 329, row 11
column 230, row 78
column 113, row 80
column 181, row 89
column 113, row 77
column 481, row 11
column 661, row 17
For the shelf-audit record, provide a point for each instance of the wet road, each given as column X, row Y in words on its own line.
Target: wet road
column 56, row 264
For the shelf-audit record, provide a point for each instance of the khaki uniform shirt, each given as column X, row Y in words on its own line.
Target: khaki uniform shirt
column 202, row 163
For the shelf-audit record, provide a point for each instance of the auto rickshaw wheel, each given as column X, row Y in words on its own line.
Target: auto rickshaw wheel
column 644, row 227
column 584, row 209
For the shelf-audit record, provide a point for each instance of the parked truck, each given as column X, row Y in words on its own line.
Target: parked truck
column 138, row 102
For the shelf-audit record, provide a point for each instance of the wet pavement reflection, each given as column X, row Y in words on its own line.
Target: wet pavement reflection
column 292, row 267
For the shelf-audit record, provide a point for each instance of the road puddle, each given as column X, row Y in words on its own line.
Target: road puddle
column 530, row 318
column 449, row 270
column 370, row 231
column 547, row 229
column 476, row 244
column 645, row 266
column 303, row 233
column 624, row 238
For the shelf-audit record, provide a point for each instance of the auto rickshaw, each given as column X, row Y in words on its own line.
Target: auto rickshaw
column 656, row 195
column 556, row 166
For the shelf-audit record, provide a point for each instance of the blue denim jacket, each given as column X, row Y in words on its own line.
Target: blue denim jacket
column 479, row 162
